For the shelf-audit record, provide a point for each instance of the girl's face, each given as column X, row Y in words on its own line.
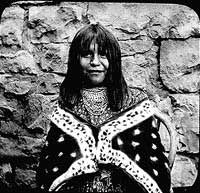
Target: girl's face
column 94, row 65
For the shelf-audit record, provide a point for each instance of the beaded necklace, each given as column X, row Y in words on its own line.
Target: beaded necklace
column 95, row 100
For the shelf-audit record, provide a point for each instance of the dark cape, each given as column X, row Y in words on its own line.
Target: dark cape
column 124, row 153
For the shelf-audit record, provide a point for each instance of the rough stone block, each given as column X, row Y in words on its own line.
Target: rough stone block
column 186, row 119
column 179, row 65
column 17, row 85
column 49, row 83
column 22, row 147
column 135, row 75
column 11, row 108
column 141, row 70
column 9, row 148
column 55, row 23
column 184, row 112
column 132, row 47
column 11, row 29
column 12, row 12
column 30, row 146
column 183, row 172
column 11, row 129
column 6, row 173
column 36, row 113
column 52, row 57
column 5, row 108
column 25, row 178
column 21, row 62
column 154, row 20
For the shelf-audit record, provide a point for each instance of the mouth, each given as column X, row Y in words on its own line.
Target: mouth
column 95, row 71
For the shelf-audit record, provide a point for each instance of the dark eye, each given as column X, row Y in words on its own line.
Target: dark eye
column 102, row 54
column 86, row 54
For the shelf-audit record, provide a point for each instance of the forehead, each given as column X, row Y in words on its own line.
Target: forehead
column 93, row 46
column 89, row 41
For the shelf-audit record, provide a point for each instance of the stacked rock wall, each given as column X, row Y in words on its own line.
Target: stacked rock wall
column 160, row 53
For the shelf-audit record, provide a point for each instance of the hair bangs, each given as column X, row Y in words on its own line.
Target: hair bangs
column 94, row 34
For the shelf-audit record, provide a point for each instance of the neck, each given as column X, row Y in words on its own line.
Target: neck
column 94, row 93
column 97, row 88
column 95, row 99
column 88, row 84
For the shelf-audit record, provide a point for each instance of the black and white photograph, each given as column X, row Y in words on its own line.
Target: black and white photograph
column 99, row 96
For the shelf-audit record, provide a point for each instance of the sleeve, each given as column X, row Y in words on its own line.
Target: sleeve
column 42, row 177
column 142, row 144
column 55, row 157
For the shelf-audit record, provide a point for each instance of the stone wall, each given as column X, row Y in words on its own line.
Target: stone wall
column 160, row 53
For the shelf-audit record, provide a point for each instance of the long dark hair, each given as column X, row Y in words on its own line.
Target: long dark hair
column 115, row 83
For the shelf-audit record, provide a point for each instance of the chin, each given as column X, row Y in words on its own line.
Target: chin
column 96, row 82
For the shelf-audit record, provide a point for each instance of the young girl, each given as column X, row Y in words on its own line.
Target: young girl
column 104, row 135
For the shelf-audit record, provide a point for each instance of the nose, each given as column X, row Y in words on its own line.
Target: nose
column 95, row 60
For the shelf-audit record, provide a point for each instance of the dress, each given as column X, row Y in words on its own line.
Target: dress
column 113, row 152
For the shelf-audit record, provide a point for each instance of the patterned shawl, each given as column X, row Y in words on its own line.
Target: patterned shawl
column 122, row 153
